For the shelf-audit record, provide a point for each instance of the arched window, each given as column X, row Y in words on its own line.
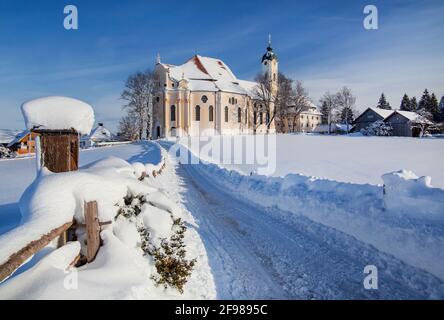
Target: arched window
column 173, row 113
column 197, row 113
column 226, row 114
column 239, row 115
column 255, row 117
column 210, row 113
column 229, row 100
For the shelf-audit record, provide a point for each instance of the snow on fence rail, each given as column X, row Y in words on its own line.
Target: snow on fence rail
column 404, row 218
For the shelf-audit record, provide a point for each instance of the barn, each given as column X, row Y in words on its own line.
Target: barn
column 369, row 116
column 406, row 123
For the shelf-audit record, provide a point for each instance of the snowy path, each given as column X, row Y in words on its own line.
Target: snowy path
column 255, row 256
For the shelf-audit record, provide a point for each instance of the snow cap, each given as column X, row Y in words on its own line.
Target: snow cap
column 58, row 113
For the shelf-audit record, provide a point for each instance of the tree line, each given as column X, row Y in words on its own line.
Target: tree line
column 428, row 106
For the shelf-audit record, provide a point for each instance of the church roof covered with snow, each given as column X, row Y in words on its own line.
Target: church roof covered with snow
column 209, row 74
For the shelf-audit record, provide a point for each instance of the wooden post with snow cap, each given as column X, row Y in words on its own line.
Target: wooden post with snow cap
column 58, row 121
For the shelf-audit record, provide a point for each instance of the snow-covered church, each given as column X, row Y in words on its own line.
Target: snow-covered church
column 204, row 97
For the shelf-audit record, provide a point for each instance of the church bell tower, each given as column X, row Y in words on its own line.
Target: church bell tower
column 270, row 65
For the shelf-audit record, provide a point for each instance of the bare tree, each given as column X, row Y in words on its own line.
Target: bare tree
column 346, row 102
column 330, row 104
column 299, row 102
column 283, row 102
column 128, row 127
column 267, row 97
column 138, row 93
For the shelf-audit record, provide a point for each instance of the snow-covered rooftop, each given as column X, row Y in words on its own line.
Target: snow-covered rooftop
column 412, row 116
column 100, row 134
column 382, row 112
column 209, row 74
column 58, row 113
column 6, row 135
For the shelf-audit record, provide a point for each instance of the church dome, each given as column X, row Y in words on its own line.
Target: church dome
column 269, row 55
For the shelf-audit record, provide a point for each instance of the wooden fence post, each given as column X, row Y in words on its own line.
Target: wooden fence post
column 59, row 152
column 92, row 230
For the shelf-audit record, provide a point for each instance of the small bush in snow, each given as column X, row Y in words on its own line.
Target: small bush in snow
column 132, row 206
column 170, row 259
column 378, row 128
column 173, row 269
column 6, row 153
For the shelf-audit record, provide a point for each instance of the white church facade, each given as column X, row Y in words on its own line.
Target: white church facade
column 204, row 97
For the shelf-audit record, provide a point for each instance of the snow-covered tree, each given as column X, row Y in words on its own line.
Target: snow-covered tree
column 405, row 103
column 299, row 102
column 424, row 103
column 378, row 128
column 284, row 99
column 325, row 112
column 266, row 97
column 424, row 122
column 346, row 104
column 441, row 109
column 413, row 104
column 434, row 108
column 6, row 153
column 329, row 102
column 383, row 104
column 128, row 127
column 138, row 94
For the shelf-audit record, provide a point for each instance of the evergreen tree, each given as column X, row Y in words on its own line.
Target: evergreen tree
column 347, row 115
column 383, row 104
column 325, row 110
column 434, row 108
column 424, row 103
column 405, row 103
column 441, row 109
column 413, row 104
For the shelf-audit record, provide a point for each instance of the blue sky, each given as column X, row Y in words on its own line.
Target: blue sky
column 322, row 43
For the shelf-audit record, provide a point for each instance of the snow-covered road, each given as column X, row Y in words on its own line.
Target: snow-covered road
column 254, row 255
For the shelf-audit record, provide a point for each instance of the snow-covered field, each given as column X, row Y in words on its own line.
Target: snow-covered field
column 354, row 159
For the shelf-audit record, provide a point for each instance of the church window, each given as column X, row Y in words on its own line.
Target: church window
column 226, row 114
column 173, row 113
column 197, row 113
column 157, row 99
column 204, row 99
column 267, row 117
column 255, row 117
column 239, row 115
column 261, row 119
column 210, row 113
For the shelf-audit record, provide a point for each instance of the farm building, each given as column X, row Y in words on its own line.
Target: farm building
column 369, row 116
column 407, row 124
column 99, row 136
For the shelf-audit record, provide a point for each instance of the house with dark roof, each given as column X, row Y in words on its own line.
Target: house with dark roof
column 369, row 116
